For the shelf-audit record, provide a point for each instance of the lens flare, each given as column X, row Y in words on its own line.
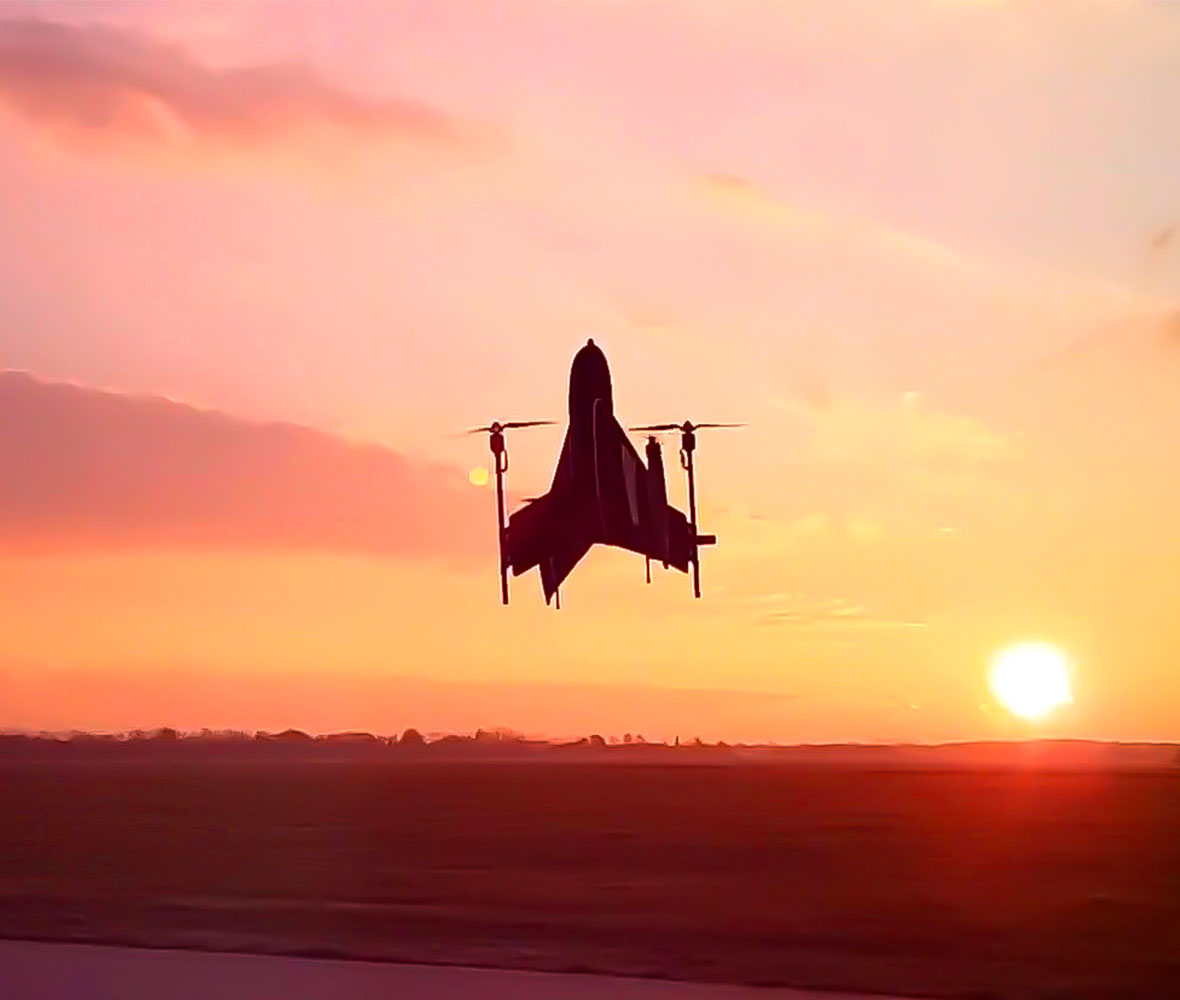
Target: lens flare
column 1031, row 679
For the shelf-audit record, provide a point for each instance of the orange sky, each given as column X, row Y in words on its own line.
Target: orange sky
column 923, row 249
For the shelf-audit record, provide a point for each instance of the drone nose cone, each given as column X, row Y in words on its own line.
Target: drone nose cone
column 590, row 353
column 589, row 380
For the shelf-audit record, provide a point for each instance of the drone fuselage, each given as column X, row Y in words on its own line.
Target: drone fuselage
column 602, row 492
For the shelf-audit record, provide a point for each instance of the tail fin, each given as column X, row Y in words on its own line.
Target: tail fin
column 553, row 532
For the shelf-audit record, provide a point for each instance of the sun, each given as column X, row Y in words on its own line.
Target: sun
column 1031, row 679
column 478, row 476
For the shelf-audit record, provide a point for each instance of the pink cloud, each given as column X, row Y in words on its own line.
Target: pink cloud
column 90, row 469
column 106, row 82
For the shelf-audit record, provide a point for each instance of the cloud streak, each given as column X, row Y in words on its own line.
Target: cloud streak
column 327, row 701
column 748, row 200
column 100, row 81
column 86, row 469
column 827, row 615
column 1158, row 331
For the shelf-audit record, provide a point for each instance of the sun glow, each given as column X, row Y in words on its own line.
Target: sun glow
column 1031, row 679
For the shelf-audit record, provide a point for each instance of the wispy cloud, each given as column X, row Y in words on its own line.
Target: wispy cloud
column 827, row 614
column 327, row 701
column 103, row 82
column 1159, row 330
column 88, row 469
column 746, row 199
column 905, row 431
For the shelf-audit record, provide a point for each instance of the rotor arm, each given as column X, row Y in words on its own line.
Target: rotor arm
column 688, row 444
column 499, row 448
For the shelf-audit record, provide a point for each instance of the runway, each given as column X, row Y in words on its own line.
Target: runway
column 33, row 970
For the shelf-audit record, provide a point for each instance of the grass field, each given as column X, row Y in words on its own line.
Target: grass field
column 985, row 884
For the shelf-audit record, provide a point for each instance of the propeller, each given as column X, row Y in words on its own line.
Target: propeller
column 685, row 428
column 495, row 427
column 688, row 444
column 495, row 431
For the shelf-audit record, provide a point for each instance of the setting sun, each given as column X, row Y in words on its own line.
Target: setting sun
column 1031, row 679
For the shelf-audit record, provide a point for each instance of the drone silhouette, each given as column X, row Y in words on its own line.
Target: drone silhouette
column 602, row 492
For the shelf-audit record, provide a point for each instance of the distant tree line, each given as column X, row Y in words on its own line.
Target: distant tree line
column 167, row 741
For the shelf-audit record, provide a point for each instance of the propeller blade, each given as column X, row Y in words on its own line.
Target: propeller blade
column 492, row 428
column 688, row 425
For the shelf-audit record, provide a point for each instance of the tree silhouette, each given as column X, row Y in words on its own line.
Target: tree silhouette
column 411, row 738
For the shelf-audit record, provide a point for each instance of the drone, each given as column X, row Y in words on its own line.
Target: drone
column 602, row 492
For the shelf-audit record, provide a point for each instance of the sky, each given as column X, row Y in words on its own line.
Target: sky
column 263, row 263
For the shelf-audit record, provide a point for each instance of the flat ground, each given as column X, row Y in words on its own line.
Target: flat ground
column 979, row 884
column 36, row 970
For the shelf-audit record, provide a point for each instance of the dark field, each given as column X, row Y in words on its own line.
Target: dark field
column 966, row 884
